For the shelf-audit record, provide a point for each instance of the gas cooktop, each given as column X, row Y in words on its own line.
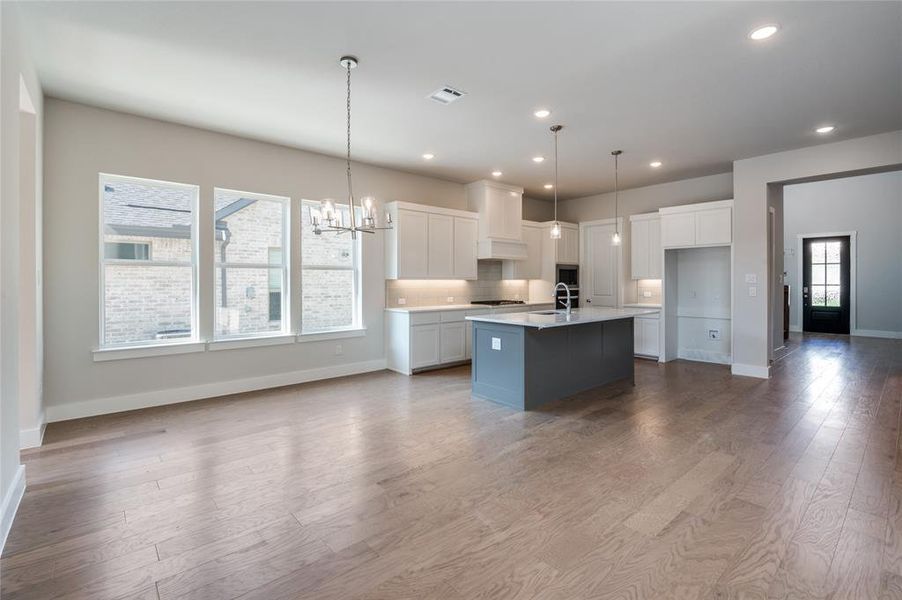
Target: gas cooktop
column 497, row 302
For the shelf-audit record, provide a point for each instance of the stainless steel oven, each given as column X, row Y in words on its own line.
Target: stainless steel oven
column 568, row 274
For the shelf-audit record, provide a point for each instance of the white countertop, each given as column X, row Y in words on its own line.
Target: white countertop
column 642, row 305
column 439, row 307
column 577, row 317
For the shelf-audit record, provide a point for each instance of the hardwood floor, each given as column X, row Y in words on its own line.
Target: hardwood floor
column 692, row 484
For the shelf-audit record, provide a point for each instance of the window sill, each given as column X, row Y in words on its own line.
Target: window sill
column 105, row 354
column 334, row 334
column 251, row 342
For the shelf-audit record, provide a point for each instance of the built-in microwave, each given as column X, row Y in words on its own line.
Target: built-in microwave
column 568, row 274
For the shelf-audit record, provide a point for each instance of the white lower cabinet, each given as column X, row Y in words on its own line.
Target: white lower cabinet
column 453, row 342
column 426, row 339
column 425, row 346
column 646, row 335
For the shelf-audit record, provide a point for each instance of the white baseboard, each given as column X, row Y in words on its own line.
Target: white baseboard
column 795, row 328
column 103, row 406
column 11, row 504
column 750, row 371
column 32, row 438
column 704, row 356
column 876, row 333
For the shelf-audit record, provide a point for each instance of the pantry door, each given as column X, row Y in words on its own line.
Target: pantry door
column 599, row 265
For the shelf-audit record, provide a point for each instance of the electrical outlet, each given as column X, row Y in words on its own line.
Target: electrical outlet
column 450, row 299
column 496, row 343
column 337, row 349
column 714, row 334
column 402, row 301
column 646, row 294
column 753, row 291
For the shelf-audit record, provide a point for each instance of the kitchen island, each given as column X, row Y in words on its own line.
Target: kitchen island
column 528, row 359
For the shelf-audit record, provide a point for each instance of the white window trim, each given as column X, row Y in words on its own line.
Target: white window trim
column 161, row 349
column 331, row 334
column 233, row 343
column 226, row 342
column 147, row 345
column 357, row 327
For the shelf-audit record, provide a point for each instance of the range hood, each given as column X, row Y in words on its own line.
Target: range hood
column 500, row 208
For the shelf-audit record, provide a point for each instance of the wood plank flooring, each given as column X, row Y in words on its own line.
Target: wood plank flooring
column 692, row 484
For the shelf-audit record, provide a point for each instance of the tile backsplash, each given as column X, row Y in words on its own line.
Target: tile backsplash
column 488, row 286
column 652, row 287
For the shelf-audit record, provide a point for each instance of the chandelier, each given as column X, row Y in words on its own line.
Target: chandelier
column 329, row 218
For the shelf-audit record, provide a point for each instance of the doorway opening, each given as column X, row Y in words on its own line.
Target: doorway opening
column 826, row 284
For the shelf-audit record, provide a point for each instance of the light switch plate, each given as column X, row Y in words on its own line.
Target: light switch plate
column 450, row 299
column 402, row 301
column 496, row 343
column 751, row 278
column 646, row 294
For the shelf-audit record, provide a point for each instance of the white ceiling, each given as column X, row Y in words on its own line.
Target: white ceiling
column 680, row 82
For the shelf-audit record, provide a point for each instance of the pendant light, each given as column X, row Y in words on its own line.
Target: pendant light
column 615, row 239
column 329, row 218
column 556, row 226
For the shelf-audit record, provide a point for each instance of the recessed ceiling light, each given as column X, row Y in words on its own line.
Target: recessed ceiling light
column 825, row 129
column 542, row 113
column 538, row 159
column 548, row 186
column 496, row 173
column 428, row 156
column 763, row 32
column 655, row 164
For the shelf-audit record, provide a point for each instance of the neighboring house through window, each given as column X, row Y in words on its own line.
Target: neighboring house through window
column 251, row 270
column 330, row 276
column 148, row 274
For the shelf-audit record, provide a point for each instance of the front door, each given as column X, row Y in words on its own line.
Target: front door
column 825, row 284
column 599, row 280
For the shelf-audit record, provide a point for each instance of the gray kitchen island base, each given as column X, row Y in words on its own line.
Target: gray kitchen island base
column 526, row 367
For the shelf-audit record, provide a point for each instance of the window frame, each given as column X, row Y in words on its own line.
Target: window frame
column 103, row 261
column 356, row 268
column 285, row 329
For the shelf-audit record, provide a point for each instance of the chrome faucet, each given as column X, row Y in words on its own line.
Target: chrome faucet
column 567, row 289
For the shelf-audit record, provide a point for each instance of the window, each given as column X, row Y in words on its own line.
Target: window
column 251, row 270
column 148, row 276
column 826, row 282
column 330, row 276
column 127, row 251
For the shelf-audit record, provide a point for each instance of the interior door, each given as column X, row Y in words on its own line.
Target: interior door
column 599, row 286
column 825, row 284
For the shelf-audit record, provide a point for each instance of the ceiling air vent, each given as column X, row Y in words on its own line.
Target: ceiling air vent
column 446, row 95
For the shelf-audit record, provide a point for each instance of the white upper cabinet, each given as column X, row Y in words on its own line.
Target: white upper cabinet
column 430, row 243
column 500, row 209
column 440, row 247
column 465, row 232
column 567, row 248
column 411, row 230
column 645, row 246
column 531, row 268
column 704, row 224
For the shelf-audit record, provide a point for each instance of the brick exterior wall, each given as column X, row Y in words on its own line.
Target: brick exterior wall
column 142, row 302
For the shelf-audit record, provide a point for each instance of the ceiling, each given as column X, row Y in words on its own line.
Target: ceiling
column 679, row 82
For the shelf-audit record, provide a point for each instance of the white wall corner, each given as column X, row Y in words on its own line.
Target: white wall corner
column 33, row 437
column 11, row 504
column 115, row 404
column 750, row 370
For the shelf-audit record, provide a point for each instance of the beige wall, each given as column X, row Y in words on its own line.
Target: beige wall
column 82, row 141
column 754, row 187
column 18, row 269
column 644, row 200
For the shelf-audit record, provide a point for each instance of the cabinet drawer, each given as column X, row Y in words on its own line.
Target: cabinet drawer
column 451, row 316
column 424, row 318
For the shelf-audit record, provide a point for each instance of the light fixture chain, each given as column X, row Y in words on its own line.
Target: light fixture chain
column 555, row 175
column 348, row 107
